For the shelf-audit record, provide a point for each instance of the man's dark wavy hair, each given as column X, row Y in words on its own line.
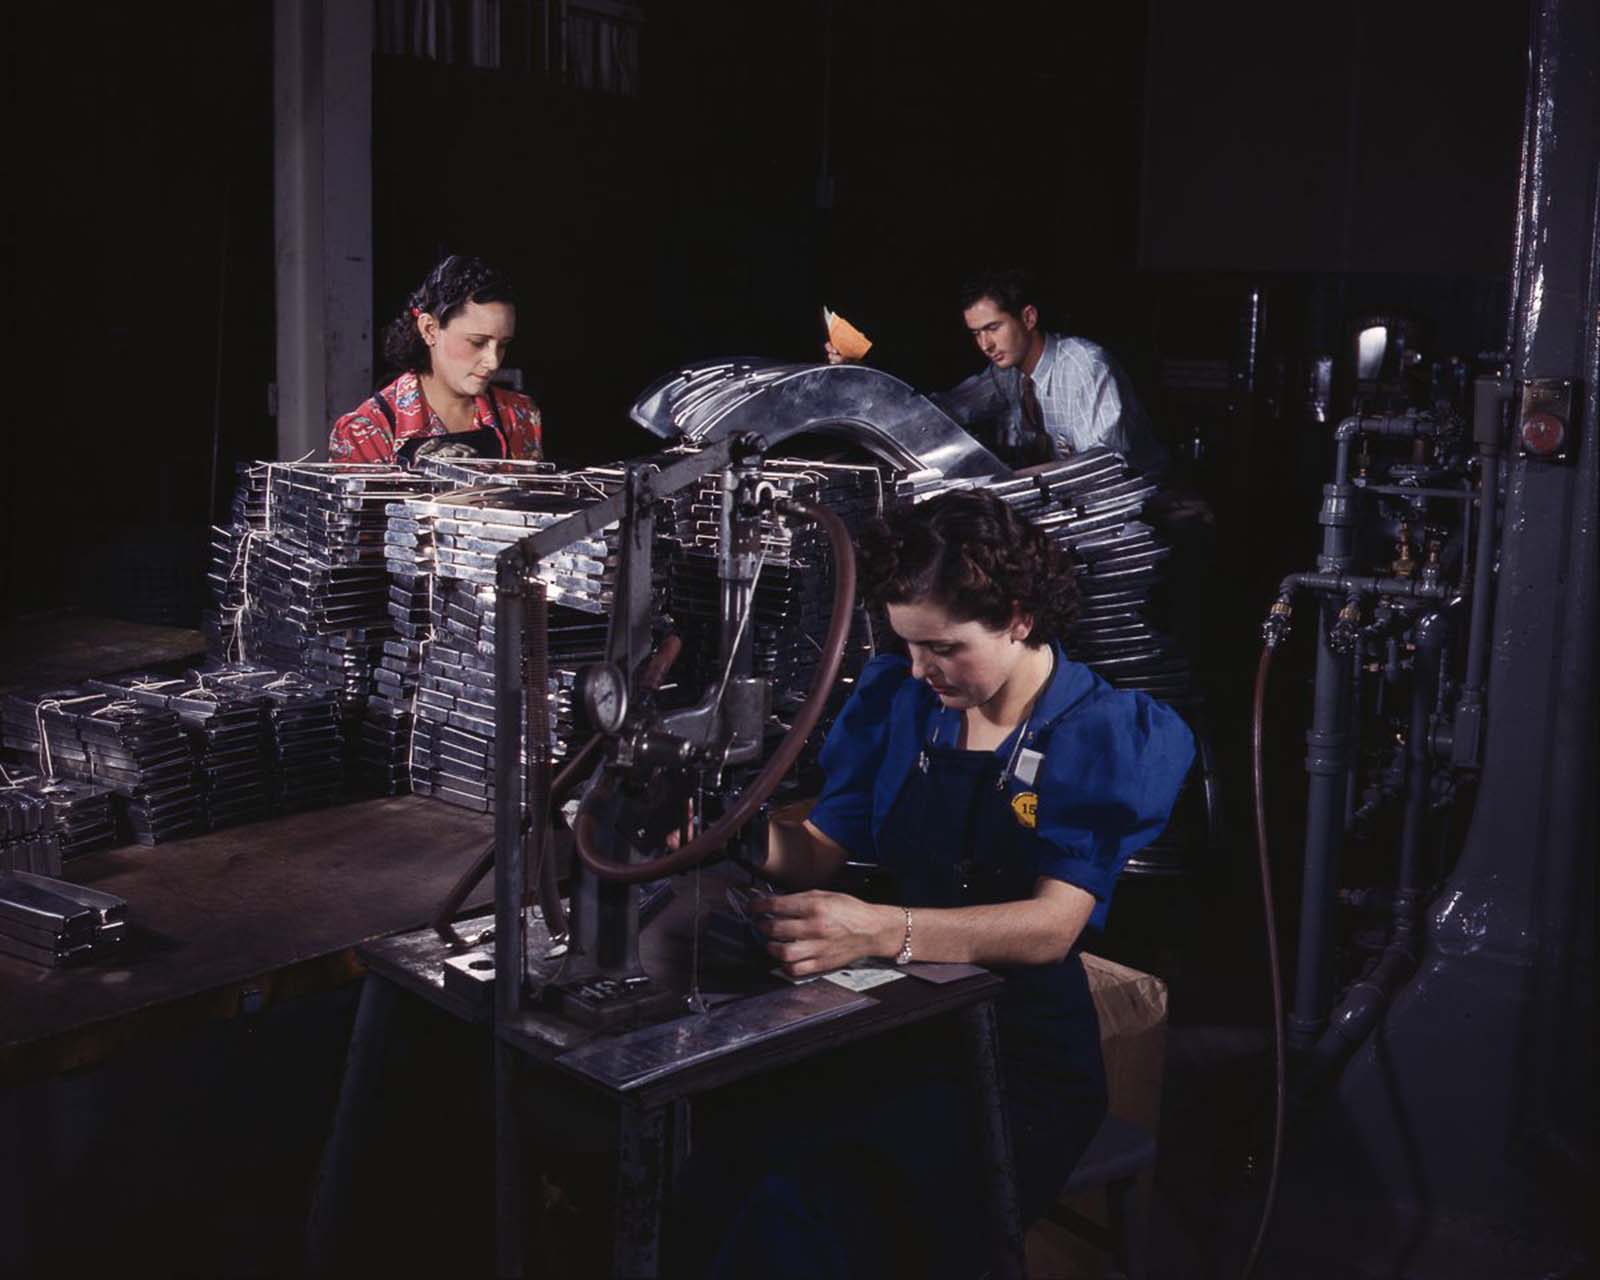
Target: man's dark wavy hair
column 970, row 553
column 453, row 283
column 1010, row 289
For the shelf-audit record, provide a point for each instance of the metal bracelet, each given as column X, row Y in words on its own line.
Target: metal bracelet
column 905, row 946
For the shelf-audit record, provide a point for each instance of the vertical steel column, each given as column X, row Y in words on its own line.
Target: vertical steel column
column 510, row 943
column 1430, row 635
column 1327, row 743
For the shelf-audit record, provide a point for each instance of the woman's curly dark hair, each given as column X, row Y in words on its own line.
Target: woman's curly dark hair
column 453, row 283
column 973, row 555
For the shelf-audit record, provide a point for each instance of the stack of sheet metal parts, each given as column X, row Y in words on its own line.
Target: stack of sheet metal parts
column 319, row 600
column 794, row 589
column 383, row 750
column 43, row 821
column 28, row 840
column 138, row 751
column 81, row 813
column 231, row 545
column 224, row 721
column 304, row 732
column 51, row 922
column 1090, row 504
column 431, row 720
column 302, row 585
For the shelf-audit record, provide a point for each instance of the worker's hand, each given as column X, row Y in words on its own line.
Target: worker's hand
column 832, row 352
column 676, row 839
column 817, row 931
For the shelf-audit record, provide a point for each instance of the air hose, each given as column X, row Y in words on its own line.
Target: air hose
column 1274, row 632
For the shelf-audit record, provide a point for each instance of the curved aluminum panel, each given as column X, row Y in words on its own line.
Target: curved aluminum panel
column 705, row 402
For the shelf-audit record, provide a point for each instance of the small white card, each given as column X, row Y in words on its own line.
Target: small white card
column 863, row 978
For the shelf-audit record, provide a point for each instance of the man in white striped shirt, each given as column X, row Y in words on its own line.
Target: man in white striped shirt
column 1043, row 395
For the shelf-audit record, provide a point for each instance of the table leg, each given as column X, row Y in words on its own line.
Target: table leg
column 360, row 1094
column 510, row 1192
column 646, row 1156
column 1004, row 1218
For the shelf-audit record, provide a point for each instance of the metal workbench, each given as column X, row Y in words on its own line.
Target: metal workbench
column 645, row 1125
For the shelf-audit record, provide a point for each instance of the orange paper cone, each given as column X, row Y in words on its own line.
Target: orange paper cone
column 847, row 340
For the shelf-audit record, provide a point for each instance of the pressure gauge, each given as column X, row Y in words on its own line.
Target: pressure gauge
column 603, row 694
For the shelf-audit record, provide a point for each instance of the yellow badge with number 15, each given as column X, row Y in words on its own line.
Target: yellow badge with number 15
column 1025, row 804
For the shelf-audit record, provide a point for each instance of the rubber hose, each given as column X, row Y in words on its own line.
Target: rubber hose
column 574, row 771
column 1279, row 1048
column 714, row 837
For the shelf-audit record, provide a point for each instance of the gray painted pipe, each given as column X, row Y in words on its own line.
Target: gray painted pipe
column 1430, row 635
column 1326, row 747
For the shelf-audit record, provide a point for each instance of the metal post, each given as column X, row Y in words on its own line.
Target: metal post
column 644, row 1162
column 1429, row 633
column 510, row 877
column 322, row 215
column 510, row 943
column 510, row 1194
column 1326, row 744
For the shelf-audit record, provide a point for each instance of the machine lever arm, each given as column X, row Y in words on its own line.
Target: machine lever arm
column 753, row 796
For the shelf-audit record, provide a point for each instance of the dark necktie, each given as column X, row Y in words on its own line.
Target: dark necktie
column 1031, row 413
column 1038, row 444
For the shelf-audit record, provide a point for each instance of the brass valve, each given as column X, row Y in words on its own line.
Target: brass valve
column 1404, row 566
column 1346, row 630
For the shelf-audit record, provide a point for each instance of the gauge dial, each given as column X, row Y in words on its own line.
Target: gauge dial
column 604, row 694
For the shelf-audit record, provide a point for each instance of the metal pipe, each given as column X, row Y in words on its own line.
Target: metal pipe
column 1429, row 635
column 1406, row 426
column 1358, row 1012
column 1347, row 585
column 536, row 833
column 1326, row 756
column 1327, row 744
column 1352, row 773
column 510, row 950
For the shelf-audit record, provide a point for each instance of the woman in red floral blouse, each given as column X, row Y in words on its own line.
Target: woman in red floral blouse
column 449, row 340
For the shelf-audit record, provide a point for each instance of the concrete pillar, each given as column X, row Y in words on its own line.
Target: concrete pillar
column 322, row 215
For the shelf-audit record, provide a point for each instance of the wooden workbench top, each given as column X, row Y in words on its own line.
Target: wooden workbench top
column 236, row 918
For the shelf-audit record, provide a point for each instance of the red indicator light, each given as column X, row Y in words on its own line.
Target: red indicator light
column 1543, row 433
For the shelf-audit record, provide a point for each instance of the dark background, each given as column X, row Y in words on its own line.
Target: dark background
column 1151, row 165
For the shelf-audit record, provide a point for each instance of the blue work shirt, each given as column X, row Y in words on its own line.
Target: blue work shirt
column 1112, row 763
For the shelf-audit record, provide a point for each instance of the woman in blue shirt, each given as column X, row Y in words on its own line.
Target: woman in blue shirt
column 1001, row 788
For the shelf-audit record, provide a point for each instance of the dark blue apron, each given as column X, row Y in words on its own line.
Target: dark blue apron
column 881, row 1178
column 952, row 839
